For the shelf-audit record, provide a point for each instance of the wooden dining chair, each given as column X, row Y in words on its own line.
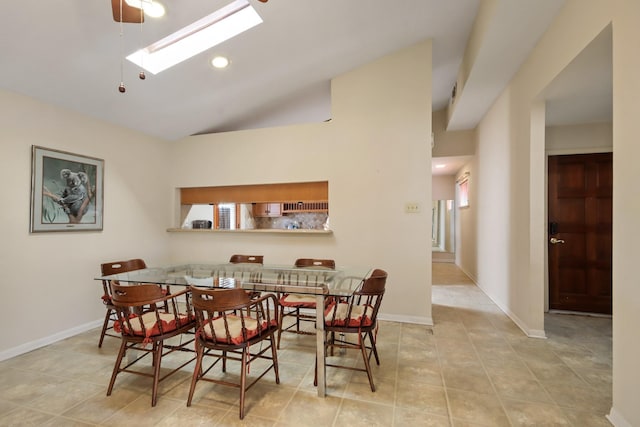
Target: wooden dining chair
column 248, row 259
column 146, row 318
column 299, row 306
column 356, row 315
column 232, row 326
column 107, row 269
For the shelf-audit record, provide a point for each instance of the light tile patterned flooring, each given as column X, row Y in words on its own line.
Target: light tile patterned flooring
column 473, row 368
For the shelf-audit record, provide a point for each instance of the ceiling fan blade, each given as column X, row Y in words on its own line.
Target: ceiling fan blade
column 129, row 13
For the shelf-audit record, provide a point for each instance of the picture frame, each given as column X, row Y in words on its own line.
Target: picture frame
column 67, row 191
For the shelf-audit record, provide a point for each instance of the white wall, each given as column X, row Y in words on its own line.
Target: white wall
column 510, row 179
column 375, row 154
column 48, row 277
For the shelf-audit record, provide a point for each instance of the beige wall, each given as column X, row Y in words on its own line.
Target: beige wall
column 47, row 287
column 444, row 187
column 450, row 143
column 626, row 213
column 509, row 167
column 375, row 153
column 579, row 138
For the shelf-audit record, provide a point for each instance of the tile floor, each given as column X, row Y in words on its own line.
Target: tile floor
column 473, row 368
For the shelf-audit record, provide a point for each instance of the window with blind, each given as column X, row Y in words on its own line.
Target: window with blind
column 227, row 216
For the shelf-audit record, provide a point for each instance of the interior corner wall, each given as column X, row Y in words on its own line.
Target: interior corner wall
column 626, row 213
column 375, row 154
column 511, row 171
column 53, row 272
column 450, row 143
column 507, row 126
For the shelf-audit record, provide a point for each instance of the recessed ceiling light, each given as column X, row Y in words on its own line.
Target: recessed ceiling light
column 441, row 166
column 223, row 24
column 151, row 8
column 220, row 62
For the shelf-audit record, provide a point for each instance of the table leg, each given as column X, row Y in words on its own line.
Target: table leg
column 320, row 348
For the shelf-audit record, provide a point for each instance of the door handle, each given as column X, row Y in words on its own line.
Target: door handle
column 555, row 241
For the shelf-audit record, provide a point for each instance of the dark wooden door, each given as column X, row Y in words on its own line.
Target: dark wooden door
column 579, row 234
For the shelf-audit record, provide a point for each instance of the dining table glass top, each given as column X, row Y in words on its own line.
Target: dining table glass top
column 258, row 277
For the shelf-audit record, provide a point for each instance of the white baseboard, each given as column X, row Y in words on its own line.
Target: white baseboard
column 531, row 333
column 616, row 419
column 417, row 320
column 33, row 345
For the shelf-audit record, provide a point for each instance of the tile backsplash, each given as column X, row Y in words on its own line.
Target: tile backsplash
column 302, row 220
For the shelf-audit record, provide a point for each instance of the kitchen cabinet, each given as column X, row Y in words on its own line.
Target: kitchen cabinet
column 293, row 207
column 267, row 209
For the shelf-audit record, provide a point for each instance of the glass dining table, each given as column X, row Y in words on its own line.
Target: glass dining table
column 317, row 281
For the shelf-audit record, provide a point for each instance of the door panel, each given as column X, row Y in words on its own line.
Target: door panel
column 580, row 189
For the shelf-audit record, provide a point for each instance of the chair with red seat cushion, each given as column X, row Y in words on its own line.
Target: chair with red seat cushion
column 247, row 259
column 147, row 317
column 232, row 326
column 108, row 269
column 356, row 315
column 292, row 304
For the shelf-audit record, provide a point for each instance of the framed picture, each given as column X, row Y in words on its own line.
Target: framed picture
column 66, row 191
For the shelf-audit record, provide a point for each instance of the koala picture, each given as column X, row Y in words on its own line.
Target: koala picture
column 74, row 193
column 66, row 191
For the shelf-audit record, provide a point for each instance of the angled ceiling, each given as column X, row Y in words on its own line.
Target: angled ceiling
column 68, row 53
column 583, row 91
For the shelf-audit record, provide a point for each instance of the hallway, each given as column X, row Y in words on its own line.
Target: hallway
column 490, row 368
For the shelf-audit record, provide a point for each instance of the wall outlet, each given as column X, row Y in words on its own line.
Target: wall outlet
column 411, row 207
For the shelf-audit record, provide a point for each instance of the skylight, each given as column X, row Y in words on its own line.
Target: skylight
column 150, row 8
column 223, row 24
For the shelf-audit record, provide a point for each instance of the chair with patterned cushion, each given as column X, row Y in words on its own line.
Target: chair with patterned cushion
column 150, row 321
column 356, row 315
column 108, row 269
column 232, row 326
column 240, row 274
column 299, row 306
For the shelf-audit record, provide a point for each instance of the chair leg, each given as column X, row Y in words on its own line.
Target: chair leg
column 331, row 341
column 157, row 358
column 315, row 373
column 365, row 358
column 274, row 356
column 297, row 319
column 243, row 381
column 105, row 326
column 116, row 368
column 280, row 319
column 373, row 347
column 197, row 372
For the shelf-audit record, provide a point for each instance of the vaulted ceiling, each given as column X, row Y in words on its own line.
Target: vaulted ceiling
column 69, row 53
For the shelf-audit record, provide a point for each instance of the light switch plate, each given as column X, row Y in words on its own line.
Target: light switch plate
column 411, row 207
